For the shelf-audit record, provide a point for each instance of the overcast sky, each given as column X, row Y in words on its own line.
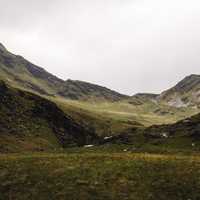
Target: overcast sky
column 127, row 45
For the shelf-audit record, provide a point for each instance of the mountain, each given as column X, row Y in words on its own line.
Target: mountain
column 21, row 73
column 185, row 93
column 142, row 98
column 83, row 90
column 30, row 122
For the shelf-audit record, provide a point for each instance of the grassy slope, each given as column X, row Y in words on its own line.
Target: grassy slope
column 109, row 118
column 99, row 176
column 31, row 123
column 19, row 77
column 182, row 136
column 19, row 130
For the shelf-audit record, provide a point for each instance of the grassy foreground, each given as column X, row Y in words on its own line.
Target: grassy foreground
column 77, row 176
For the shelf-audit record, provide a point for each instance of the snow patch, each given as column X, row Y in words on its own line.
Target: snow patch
column 88, row 146
column 177, row 102
column 108, row 137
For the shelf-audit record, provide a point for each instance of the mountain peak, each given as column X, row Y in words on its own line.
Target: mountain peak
column 188, row 83
column 184, row 93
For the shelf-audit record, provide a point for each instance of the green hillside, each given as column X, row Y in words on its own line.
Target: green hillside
column 180, row 137
column 29, row 122
column 111, row 118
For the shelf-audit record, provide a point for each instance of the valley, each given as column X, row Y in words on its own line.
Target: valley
column 118, row 116
column 77, row 140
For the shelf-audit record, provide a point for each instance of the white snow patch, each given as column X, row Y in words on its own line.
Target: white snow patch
column 165, row 135
column 177, row 102
column 88, row 146
column 108, row 137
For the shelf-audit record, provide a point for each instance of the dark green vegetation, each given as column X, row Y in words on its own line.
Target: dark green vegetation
column 30, row 122
column 99, row 176
column 183, row 135
column 180, row 137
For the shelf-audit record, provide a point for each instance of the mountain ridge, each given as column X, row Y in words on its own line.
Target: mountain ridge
column 20, row 72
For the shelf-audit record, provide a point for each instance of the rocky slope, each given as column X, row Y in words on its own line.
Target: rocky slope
column 185, row 93
column 30, row 122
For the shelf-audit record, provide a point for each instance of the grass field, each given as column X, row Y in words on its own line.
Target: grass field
column 101, row 176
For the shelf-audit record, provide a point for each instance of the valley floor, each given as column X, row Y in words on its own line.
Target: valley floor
column 98, row 175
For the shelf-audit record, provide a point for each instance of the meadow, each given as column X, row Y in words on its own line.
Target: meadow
column 90, row 176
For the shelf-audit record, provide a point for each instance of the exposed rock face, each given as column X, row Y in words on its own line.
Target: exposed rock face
column 177, row 102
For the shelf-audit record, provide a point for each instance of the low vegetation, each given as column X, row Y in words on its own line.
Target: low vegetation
column 99, row 176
